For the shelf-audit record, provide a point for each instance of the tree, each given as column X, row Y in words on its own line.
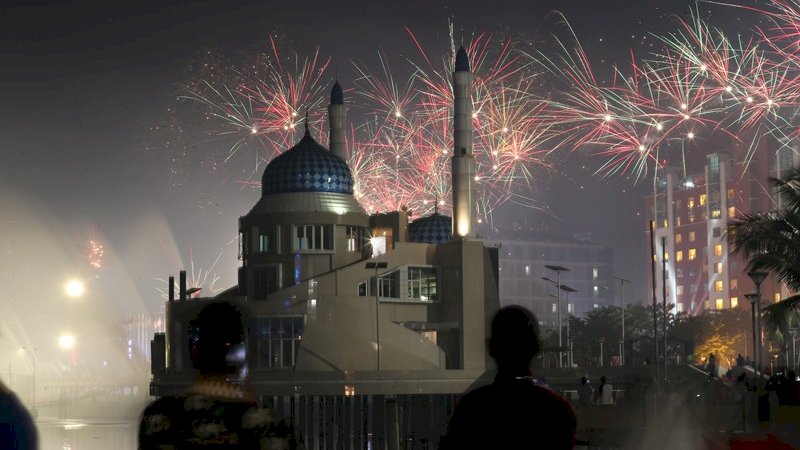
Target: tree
column 770, row 241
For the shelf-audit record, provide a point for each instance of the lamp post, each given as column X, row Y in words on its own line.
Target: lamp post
column 752, row 299
column 33, row 359
column 376, row 266
column 758, row 278
column 622, row 282
column 793, row 332
column 568, row 289
column 558, row 269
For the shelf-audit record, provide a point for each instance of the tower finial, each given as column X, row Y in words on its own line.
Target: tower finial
column 462, row 60
column 306, row 122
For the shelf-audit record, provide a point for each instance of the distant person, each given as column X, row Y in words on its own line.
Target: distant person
column 586, row 393
column 217, row 411
column 712, row 367
column 605, row 393
column 17, row 430
column 514, row 411
column 740, row 360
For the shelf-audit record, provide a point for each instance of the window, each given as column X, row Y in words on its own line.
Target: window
column 691, row 219
column 570, row 308
column 278, row 340
column 554, row 308
column 716, row 232
column 679, row 272
column 313, row 237
column 680, row 307
column 422, row 283
column 777, row 297
column 717, row 249
column 263, row 243
column 528, row 271
column 690, row 203
column 691, row 236
column 734, row 302
column 733, row 283
column 731, row 211
column 666, row 256
column 718, row 267
column 731, row 194
column 362, row 289
column 692, row 254
column 265, row 282
column 716, row 214
column 678, row 238
column 702, row 199
column 679, row 256
column 353, row 239
column 692, row 273
column 679, row 289
column 719, row 303
column 719, row 286
column 595, row 272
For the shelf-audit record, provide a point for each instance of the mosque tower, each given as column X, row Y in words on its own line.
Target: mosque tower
column 336, row 120
column 463, row 168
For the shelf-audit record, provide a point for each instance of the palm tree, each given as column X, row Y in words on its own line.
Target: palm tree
column 770, row 241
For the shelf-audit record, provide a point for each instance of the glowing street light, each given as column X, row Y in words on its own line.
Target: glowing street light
column 66, row 341
column 74, row 288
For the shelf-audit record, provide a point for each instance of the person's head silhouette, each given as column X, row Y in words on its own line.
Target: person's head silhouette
column 217, row 337
column 514, row 341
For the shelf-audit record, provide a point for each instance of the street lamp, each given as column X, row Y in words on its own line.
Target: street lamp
column 752, row 299
column 558, row 269
column 568, row 289
column 758, row 278
column 622, row 282
column 376, row 266
column 33, row 358
column 74, row 288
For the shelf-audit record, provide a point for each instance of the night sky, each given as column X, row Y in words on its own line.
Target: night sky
column 84, row 84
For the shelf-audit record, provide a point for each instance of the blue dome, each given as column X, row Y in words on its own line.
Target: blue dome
column 433, row 229
column 307, row 167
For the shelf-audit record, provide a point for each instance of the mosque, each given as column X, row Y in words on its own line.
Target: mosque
column 363, row 328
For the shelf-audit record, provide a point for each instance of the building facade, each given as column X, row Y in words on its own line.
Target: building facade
column 692, row 262
column 360, row 327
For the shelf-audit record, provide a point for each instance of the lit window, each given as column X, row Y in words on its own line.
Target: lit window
column 571, row 308
column 719, row 285
column 734, row 283
column 595, row 272
column 718, row 267
column 715, row 214
column 717, row 249
column 353, row 239
column 263, row 243
column 692, row 254
column 702, row 199
column 777, row 297
column 731, row 194
column 680, row 307
column 691, row 217
column 679, row 289
column 679, row 256
column 349, row 391
column 422, row 284
column 732, row 211
column 666, row 256
column 734, row 302
column 691, row 202
column 527, row 270
column 719, row 303
column 595, row 306
column 313, row 237
column 554, row 307
column 678, row 238
column 691, row 236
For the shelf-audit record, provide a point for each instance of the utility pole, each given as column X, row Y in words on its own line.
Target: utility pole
column 622, row 282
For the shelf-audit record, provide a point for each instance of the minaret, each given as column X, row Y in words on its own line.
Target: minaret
column 336, row 120
column 463, row 169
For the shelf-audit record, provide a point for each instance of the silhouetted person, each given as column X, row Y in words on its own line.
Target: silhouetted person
column 740, row 360
column 712, row 367
column 514, row 411
column 605, row 393
column 586, row 394
column 216, row 412
column 17, row 430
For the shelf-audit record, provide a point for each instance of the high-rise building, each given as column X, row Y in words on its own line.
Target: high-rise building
column 691, row 259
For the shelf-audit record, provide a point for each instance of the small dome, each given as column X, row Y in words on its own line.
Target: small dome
column 337, row 96
column 462, row 60
column 433, row 229
column 307, row 167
